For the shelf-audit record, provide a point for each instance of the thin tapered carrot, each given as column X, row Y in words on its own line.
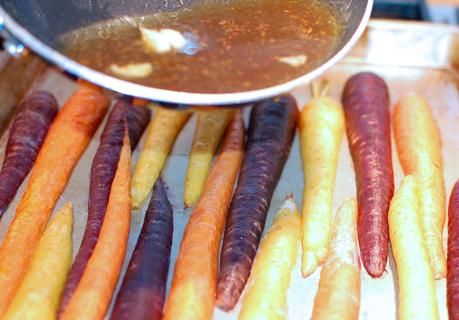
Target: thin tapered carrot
column 210, row 127
column 417, row 297
column 266, row 296
column 419, row 149
column 321, row 133
column 338, row 296
column 192, row 294
column 37, row 297
column 95, row 289
column 66, row 140
column 162, row 132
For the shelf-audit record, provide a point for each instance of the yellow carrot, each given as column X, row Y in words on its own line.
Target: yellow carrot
column 94, row 292
column 162, row 132
column 338, row 296
column 417, row 298
column 38, row 294
column 419, row 149
column 321, row 132
column 210, row 127
column 266, row 296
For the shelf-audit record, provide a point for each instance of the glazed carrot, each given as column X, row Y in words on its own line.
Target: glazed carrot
column 266, row 296
column 321, row 132
column 192, row 294
column 26, row 136
column 38, row 295
column 417, row 297
column 210, row 127
column 366, row 109
column 143, row 290
column 419, row 149
column 66, row 140
column 338, row 296
column 161, row 134
column 103, row 170
column 95, row 289
column 270, row 135
column 452, row 275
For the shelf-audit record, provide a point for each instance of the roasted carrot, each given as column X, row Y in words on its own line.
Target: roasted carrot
column 38, row 295
column 26, row 136
column 419, row 149
column 270, row 135
column 66, row 140
column 366, row 109
column 143, row 290
column 452, row 274
column 95, row 289
column 266, row 296
column 338, row 296
column 417, row 297
column 210, row 127
column 321, row 133
column 161, row 134
column 192, row 294
column 103, row 171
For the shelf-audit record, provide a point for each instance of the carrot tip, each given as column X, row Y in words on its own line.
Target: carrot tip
column 309, row 264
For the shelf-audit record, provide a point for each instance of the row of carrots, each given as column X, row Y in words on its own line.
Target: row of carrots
column 39, row 280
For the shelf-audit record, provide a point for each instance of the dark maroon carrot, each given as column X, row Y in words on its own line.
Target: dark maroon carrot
column 142, row 292
column 270, row 135
column 452, row 260
column 26, row 136
column 103, row 171
column 366, row 108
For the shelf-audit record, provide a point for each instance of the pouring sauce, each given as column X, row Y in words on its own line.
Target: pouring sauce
column 240, row 45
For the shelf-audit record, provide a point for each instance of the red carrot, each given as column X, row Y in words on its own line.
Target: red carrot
column 26, row 136
column 144, row 286
column 270, row 135
column 366, row 108
column 452, row 261
column 103, row 171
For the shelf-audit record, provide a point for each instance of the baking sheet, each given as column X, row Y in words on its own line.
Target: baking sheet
column 410, row 56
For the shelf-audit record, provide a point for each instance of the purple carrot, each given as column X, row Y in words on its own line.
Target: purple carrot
column 26, row 136
column 103, row 171
column 452, row 262
column 271, row 131
column 142, row 292
column 366, row 108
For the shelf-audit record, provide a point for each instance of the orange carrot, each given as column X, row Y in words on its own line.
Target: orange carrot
column 94, row 292
column 66, row 140
column 193, row 289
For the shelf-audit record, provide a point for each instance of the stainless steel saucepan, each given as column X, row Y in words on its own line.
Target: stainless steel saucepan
column 37, row 24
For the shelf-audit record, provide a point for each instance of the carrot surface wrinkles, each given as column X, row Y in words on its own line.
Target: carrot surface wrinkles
column 103, row 170
column 26, row 136
column 66, row 140
column 95, row 289
column 366, row 109
column 452, row 275
column 143, row 290
column 272, row 128
column 193, row 289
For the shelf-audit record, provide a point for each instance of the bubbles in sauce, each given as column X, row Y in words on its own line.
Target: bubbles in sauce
column 231, row 47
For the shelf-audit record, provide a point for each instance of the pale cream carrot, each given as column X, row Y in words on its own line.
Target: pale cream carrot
column 338, row 296
column 321, row 132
